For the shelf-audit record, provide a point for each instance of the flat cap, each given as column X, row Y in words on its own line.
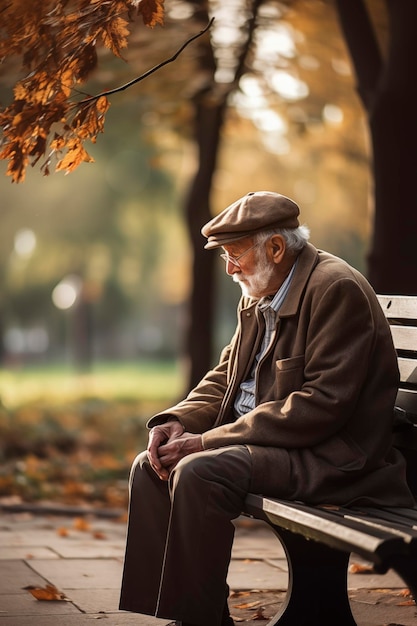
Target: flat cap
column 257, row 211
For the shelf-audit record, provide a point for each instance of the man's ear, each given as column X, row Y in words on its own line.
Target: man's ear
column 277, row 248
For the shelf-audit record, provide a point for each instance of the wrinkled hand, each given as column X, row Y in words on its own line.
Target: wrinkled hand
column 168, row 444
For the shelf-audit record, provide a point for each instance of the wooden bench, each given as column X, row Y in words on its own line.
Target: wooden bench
column 318, row 540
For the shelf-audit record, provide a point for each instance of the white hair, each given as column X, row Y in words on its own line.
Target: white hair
column 295, row 238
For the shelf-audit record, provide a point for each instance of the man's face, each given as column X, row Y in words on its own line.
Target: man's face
column 255, row 273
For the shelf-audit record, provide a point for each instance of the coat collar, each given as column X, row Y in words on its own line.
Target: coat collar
column 307, row 261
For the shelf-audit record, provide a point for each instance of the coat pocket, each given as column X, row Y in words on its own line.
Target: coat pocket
column 289, row 376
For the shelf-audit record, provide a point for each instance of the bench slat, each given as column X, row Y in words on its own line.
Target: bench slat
column 399, row 306
column 374, row 543
column 405, row 337
column 409, row 536
column 407, row 400
column 410, row 514
column 408, row 370
column 393, row 517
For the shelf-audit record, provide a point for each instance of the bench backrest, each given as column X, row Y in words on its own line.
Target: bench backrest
column 401, row 312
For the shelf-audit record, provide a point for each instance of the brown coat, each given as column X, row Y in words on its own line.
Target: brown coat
column 321, row 430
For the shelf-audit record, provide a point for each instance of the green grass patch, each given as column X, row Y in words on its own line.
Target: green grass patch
column 144, row 380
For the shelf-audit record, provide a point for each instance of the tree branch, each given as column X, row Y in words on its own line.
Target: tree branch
column 149, row 72
column 249, row 40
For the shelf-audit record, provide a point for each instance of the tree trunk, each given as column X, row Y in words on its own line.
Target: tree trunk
column 393, row 255
column 388, row 92
column 210, row 107
column 209, row 121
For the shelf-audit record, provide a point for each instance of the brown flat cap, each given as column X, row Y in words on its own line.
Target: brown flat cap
column 258, row 210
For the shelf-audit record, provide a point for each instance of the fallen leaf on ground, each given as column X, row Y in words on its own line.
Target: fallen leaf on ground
column 98, row 534
column 239, row 594
column 80, row 523
column 49, row 592
column 259, row 615
column 406, row 603
column 247, row 605
column 405, row 593
column 357, row 568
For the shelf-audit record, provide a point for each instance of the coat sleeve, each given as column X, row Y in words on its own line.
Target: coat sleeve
column 199, row 410
column 316, row 393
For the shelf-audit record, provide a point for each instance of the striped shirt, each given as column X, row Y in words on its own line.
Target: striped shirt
column 245, row 398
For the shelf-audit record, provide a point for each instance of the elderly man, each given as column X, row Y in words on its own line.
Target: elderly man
column 299, row 407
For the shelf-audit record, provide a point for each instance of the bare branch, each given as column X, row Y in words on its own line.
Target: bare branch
column 149, row 72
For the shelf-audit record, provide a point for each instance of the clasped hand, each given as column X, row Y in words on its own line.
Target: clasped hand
column 168, row 444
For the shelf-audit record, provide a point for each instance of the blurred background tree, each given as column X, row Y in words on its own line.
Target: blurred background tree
column 101, row 265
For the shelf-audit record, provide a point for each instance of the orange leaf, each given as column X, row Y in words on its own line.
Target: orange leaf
column 102, row 105
column 20, row 91
column 80, row 523
column 115, row 35
column 405, row 593
column 58, row 142
column 152, row 12
column 62, row 532
column 247, row 605
column 50, row 592
column 406, row 603
column 76, row 154
column 357, row 568
column 99, row 535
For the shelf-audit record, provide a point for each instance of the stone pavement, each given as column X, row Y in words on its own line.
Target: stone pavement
column 82, row 557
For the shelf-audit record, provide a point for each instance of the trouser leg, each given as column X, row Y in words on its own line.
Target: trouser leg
column 206, row 492
column 149, row 509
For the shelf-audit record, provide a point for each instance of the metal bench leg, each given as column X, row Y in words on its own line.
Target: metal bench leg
column 406, row 568
column 317, row 590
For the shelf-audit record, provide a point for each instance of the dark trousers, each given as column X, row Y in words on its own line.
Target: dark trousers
column 180, row 535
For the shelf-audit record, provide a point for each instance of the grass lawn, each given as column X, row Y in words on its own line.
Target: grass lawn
column 71, row 436
column 142, row 380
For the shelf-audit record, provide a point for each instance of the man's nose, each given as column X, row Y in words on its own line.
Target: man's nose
column 231, row 268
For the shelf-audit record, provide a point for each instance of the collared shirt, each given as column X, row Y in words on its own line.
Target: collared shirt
column 245, row 398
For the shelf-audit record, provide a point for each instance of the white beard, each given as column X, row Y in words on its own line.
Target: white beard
column 256, row 284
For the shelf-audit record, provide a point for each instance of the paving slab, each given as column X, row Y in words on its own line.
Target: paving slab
column 68, row 574
column 382, row 607
column 89, row 550
column 249, row 574
column 95, row 600
column 15, row 575
column 261, row 543
column 371, row 580
column 17, row 553
column 26, row 604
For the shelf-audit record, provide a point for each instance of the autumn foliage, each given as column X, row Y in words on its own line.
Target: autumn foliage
column 72, row 452
column 55, row 43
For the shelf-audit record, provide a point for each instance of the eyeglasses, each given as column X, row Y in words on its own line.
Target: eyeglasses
column 235, row 260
